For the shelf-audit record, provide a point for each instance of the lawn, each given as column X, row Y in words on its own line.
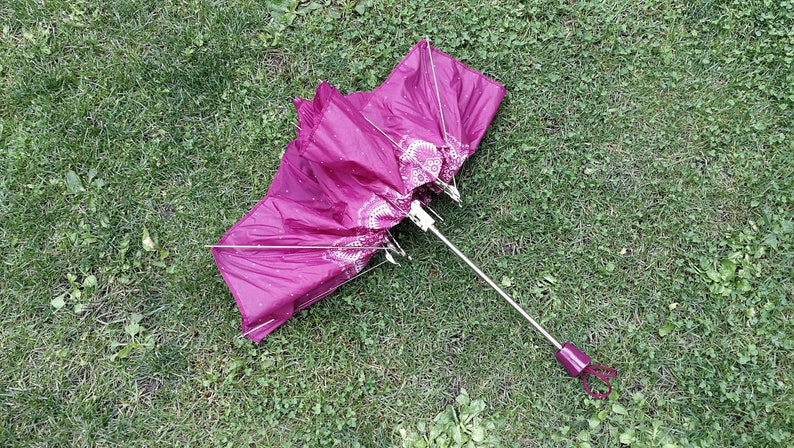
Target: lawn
column 635, row 193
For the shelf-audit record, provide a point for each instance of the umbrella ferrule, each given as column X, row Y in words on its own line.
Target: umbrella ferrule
column 393, row 247
column 420, row 217
column 390, row 258
column 449, row 190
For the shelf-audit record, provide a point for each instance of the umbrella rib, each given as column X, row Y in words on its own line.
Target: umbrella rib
column 242, row 335
column 315, row 299
column 450, row 190
column 402, row 151
column 323, row 294
column 386, row 135
column 438, row 93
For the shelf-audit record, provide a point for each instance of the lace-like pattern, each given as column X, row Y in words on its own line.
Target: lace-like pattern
column 421, row 163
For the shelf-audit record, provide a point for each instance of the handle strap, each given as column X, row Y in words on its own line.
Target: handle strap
column 601, row 372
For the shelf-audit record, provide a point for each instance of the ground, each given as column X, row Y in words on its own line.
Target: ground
column 634, row 193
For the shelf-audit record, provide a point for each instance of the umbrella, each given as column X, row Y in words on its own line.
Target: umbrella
column 361, row 163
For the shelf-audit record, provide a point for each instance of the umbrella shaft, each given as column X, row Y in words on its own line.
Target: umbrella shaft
column 495, row 287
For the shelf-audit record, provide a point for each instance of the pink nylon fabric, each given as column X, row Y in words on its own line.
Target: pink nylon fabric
column 354, row 167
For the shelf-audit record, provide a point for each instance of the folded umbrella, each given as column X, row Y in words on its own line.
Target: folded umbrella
column 359, row 165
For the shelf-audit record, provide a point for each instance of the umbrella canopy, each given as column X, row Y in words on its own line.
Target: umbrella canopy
column 351, row 173
column 432, row 101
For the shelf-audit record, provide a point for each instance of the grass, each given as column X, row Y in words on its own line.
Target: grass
column 635, row 190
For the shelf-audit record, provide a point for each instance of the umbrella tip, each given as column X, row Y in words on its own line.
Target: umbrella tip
column 450, row 190
column 390, row 258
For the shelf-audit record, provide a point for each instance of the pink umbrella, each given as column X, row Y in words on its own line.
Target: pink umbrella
column 359, row 165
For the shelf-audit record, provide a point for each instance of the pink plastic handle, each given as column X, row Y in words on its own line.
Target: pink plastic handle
column 577, row 363
column 573, row 359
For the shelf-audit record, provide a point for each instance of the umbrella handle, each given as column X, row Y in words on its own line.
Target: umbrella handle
column 577, row 363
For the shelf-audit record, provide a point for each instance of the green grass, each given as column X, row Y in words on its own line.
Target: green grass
column 642, row 158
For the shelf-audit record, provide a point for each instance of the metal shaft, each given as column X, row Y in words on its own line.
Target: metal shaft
column 495, row 286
